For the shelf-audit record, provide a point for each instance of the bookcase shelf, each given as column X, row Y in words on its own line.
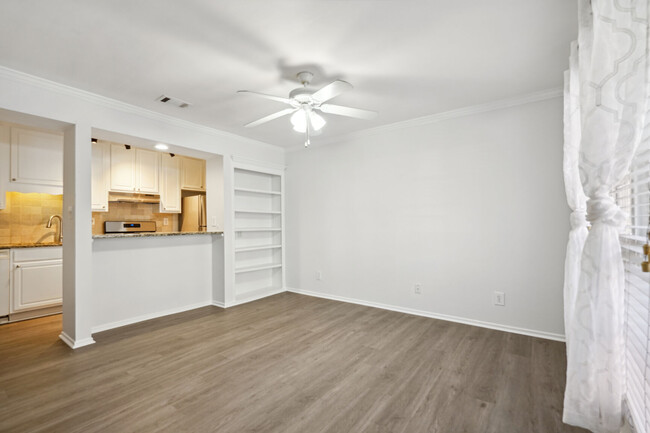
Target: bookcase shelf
column 258, row 226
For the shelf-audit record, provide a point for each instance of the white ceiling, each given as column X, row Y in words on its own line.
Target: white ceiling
column 406, row 58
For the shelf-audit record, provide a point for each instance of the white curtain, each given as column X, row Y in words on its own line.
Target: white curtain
column 610, row 73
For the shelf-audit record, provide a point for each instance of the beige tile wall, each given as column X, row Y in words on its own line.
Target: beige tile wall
column 25, row 216
column 135, row 212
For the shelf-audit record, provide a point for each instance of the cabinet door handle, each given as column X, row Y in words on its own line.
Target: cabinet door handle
column 13, row 179
column 17, row 266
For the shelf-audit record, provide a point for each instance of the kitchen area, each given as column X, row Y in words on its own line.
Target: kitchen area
column 139, row 189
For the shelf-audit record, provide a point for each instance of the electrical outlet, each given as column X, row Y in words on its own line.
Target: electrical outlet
column 318, row 275
column 499, row 298
column 93, row 220
column 165, row 221
column 417, row 288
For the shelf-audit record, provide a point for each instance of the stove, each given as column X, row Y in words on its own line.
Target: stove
column 129, row 226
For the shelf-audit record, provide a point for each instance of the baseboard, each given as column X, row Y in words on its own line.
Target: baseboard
column 489, row 325
column 254, row 297
column 75, row 344
column 142, row 318
column 32, row 314
column 219, row 304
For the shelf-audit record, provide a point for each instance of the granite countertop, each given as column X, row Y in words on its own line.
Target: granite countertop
column 144, row 235
column 29, row 245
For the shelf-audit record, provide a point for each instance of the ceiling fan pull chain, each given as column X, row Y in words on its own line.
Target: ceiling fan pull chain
column 307, row 129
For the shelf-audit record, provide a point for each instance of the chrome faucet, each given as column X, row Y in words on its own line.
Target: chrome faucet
column 59, row 237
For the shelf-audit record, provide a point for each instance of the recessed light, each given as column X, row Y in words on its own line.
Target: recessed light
column 161, row 146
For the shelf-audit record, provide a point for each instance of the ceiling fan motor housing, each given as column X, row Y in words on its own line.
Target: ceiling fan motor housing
column 301, row 94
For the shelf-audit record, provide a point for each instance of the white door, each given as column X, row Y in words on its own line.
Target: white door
column 122, row 168
column 100, row 177
column 36, row 157
column 146, row 168
column 193, row 174
column 170, row 184
column 4, row 282
column 37, row 284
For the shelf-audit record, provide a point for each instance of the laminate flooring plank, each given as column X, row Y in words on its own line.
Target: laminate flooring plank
column 288, row 363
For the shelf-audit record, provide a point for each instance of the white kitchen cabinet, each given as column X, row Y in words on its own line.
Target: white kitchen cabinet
column 122, row 168
column 4, row 285
column 100, row 176
column 134, row 170
column 36, row 157
column 37, row 280
column 147, row 168
column 192, row 174
column 170, row 184
column 5, row 162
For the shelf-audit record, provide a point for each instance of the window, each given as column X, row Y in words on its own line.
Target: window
column 633, row 196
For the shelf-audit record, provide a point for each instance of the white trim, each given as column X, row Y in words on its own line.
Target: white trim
column 255, row 297
column 75, row 344
column 253, row 164
column 142, row 318
column 489, row 325
column 219, row 304
column 439, row 117
column 32, row 80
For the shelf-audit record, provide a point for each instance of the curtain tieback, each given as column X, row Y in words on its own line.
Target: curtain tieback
column 578, row 219
column 603, row 209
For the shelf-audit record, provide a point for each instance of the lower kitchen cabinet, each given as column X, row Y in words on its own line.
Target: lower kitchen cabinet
column 37, row 279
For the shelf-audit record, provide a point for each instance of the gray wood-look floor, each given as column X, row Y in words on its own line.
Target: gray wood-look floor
column 288, row 363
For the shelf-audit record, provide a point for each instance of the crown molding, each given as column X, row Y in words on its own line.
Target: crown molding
column 439, row 117
column 93, row 98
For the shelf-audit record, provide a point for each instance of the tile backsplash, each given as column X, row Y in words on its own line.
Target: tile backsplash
column 136, row 212
column 24, row 218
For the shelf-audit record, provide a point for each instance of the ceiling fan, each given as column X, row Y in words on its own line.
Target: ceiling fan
column 305, row 103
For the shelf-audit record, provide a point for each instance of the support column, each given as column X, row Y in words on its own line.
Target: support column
column 77, row 237
column 229, row 231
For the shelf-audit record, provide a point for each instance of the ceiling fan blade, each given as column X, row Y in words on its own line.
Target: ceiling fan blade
column 271, row 117
column 331, row 90
column 348, row 111
column 263, row 95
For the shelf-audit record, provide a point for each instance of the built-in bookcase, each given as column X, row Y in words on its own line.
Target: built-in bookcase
column 259, row 233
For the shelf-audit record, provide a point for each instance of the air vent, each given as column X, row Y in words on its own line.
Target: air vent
column 173, row 101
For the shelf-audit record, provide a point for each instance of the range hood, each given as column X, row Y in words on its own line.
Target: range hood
column 125, row 197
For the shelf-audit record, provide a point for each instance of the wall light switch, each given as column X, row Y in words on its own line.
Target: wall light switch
column 93, row 220
column 165, row 221
column 499, row 298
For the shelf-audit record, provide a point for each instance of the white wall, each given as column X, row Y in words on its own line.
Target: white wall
column 136, row 279
column 464, row 206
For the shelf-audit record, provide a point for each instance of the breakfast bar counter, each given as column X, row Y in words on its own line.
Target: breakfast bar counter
column 151, row 234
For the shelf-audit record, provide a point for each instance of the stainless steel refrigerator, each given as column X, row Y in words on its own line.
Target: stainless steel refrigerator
column 193, row 217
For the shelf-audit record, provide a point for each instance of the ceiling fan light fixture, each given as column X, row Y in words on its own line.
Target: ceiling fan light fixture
column 299, row 121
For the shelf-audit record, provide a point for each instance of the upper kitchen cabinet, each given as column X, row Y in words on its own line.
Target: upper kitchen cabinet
column 31, row 160
column 134, row 170
column 147, row 169
column 100, row 170
column 122, row 168
column 170, row 183
column 192, row 174
column 36, row 157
